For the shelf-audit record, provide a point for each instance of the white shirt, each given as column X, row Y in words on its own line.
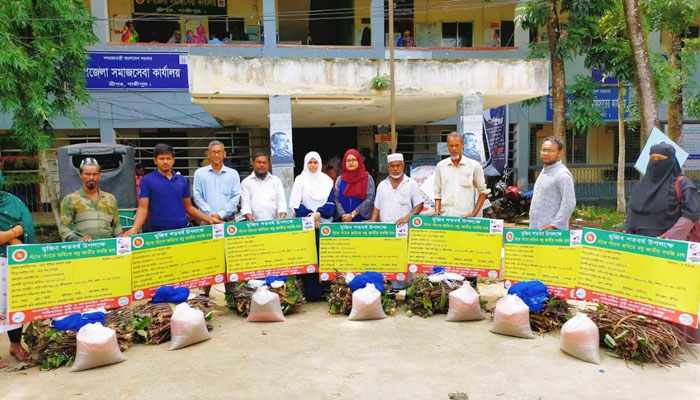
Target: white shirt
column 458, row 187
column 263, row 199
column 394, row 204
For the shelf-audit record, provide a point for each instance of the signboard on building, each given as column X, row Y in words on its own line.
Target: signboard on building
column 189, row 7
column 605, row 101
column 691, row 144
column 136, row 71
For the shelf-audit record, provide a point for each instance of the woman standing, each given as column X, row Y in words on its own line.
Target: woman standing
column 655, row 208
column 312, row 196
column 16, row 227
column 354, row 190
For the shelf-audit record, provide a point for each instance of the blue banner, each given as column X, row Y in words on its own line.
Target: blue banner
column 137, row 71
column 605, row 101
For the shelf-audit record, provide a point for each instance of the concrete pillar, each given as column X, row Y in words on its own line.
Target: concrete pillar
column 377, row 21
column 470, row 119
column 270, row 26
column 99, row 10
column 522, row 152
column 107, row 133
column 281, row 145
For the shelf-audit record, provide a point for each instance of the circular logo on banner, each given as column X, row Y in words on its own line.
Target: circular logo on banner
column 233, row 278
column 685, row 319
column 413, row 268
column 19, row 256
column 581, row 293
column 18, row 317
column 219, row 278
column 326, row 231
column 572, row 293
column 310, row 269
column 140, row 1
column 232, row 230
column 493, row 274
column 138, row 295
column 590, row 237
column 138, row 242
column 123, row 301
column 509, row 236
column 400, row 277
column 507, row 284
column 324, row 276
column 417, row 222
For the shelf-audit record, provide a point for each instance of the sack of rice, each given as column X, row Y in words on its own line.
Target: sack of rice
column 512, row 317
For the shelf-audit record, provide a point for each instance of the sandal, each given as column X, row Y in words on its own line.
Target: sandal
column 3, row 364
column 20, row 355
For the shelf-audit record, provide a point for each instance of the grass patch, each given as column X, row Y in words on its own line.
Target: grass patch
column 599, row 217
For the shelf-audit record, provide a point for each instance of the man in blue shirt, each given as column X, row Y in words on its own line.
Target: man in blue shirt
column 217, row 188
column 165, row 198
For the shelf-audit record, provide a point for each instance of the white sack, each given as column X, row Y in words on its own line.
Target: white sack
column 265, row 306
column 464, row 305
column 512, row 317
column 96, row 346
column 366, row 304
column 187, row 326
column 580, row 338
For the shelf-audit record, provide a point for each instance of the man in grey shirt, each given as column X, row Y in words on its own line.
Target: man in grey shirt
column 554, row 198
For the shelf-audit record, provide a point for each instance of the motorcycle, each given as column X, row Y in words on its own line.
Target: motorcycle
column 508, row 201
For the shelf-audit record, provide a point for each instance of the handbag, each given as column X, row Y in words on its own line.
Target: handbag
column 694, row 233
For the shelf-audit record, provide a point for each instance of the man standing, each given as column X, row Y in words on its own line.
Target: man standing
column 165, row 197
column 398, row 196
column 262, row 194
column 217, row 188
column 554, row 198
column 457, row 181
column 89, row 213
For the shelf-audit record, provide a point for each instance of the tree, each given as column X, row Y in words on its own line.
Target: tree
column 42, row 67
column 675, row 17
column 644, row 81
column 608, row 50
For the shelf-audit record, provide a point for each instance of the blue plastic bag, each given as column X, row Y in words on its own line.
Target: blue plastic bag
column 363, row 279
column 272, row 278
column 533, row 293
column 169, row 294
column 76, row 321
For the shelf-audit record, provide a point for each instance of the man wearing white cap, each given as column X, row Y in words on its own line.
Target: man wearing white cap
column 398, row 196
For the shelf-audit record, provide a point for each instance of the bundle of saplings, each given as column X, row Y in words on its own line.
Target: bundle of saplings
column 639, row 338
column 555, row 312
column 429, row 295
column 340, row 298
column 289, row 289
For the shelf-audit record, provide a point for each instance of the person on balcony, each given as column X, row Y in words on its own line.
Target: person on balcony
column 176, row 37
column 665, row 203
column 354, row 190
column 406, row 40
column 129, row 34
column 215, row 39
column 16, row 227
column 312, row 196
column 89, row 213
column 554, row 198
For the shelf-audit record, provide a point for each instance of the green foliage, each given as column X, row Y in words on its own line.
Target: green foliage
column 381, row 82
column 605, row 218
column 55, row 361
column 581, row 111
column 42, row 65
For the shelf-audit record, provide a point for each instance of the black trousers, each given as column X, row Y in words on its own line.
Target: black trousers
column 15, row 335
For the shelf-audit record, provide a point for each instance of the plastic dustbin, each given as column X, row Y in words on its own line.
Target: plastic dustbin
column 116, row 170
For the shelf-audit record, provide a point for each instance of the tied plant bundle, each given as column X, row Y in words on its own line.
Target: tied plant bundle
column 639, row 338
column 425, row 298
column 144, row 323
column 555, row 312
column 340, row 298
column 291, row 296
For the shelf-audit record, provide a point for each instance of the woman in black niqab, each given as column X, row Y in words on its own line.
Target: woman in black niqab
column 654, row 208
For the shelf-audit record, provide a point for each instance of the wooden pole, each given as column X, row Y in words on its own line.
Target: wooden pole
column 392, row 96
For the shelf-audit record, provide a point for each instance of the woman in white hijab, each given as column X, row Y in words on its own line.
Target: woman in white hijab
column 312, row 195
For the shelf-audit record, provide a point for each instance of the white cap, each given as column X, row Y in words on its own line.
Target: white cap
column 394, row 157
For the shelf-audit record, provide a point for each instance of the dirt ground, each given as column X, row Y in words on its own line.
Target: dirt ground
column 317, row 356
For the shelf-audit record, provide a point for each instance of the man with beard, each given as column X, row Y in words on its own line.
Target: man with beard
column 89, row 213
column 398, row 196
column 262, row 194
column 554, row 198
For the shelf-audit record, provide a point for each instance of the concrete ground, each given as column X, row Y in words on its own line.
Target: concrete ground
column 314, row 355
